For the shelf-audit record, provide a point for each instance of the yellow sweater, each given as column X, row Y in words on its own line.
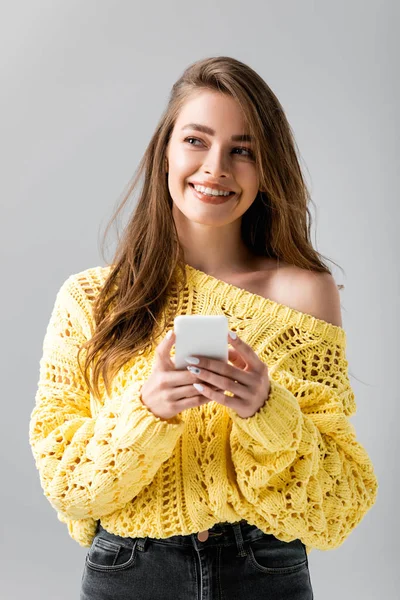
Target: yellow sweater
column 294, row 469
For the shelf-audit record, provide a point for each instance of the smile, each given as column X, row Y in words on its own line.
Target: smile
column 211, row 199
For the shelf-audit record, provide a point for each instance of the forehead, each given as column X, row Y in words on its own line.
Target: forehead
column 218, row 111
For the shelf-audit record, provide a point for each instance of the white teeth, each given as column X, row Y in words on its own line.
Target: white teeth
column 209, row 191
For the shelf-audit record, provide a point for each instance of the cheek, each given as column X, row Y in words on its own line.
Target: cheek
column 247, row 175
column 182, row 162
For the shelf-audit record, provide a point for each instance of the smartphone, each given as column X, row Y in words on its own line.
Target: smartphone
column 200, row 335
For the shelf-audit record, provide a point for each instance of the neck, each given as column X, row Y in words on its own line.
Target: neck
column 214, row 249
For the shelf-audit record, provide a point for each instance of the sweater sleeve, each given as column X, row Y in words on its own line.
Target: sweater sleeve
column 297, row 459
column 90, row 466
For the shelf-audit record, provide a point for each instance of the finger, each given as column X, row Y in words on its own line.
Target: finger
column 223, row 398
column 247, row 353
column 224, row 369
column 238, row 405
column 177, row 383
column 224, row 383
column 162, row 351
column 235, row 358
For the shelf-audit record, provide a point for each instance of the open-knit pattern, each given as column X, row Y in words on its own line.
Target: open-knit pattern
column 294, row 469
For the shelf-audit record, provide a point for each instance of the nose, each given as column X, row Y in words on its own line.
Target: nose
column 217, row 165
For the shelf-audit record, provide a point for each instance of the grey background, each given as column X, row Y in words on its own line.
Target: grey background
column 83, row 84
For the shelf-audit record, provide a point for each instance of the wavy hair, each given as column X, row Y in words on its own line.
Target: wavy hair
column 149, row 259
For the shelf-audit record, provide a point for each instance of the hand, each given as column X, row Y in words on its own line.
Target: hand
column 169, row 391
column 247, row 379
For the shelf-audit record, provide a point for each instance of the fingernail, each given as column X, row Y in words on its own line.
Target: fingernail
column 198, row 387
column 232, row 335
column 192, row 360
column 170, row 332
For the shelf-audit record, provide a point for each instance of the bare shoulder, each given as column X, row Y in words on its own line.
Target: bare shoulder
column 314, row 293
column 310, row 292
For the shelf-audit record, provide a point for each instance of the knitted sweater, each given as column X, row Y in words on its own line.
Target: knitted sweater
column 295, row 469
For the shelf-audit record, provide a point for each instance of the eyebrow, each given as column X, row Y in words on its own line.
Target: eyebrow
column 209, row 131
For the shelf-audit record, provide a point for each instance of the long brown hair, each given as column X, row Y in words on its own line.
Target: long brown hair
column 149, row 260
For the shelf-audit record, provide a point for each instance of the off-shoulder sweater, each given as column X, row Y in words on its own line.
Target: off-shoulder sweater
column 294, row 469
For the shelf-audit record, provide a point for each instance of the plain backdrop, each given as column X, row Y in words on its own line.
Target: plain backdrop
column 82, row 87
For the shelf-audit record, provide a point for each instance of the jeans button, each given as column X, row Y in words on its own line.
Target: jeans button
column 202, row 536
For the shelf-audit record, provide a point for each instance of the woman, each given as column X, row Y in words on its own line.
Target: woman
column 216, row 480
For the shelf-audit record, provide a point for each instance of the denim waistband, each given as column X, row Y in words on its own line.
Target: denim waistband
column 222, row 533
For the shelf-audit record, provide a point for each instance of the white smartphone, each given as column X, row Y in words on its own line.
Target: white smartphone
column 200, row 335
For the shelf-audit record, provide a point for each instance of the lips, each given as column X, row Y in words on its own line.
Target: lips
column 219, row 188
column 210, row 199
column 231, row 193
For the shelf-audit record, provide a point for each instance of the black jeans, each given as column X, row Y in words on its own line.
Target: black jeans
column 237, row 562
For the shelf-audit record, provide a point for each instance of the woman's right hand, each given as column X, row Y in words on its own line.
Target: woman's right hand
column 169, row 391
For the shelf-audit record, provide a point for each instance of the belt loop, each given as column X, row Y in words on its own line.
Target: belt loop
column 239, row 539
column 141, row 543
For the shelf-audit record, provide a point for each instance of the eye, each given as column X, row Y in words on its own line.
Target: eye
column 250, row 152
column 190, row 138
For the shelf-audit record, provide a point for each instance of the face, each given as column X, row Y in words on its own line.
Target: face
column 205, row 157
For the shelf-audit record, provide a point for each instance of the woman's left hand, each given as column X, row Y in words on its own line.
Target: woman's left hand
column 247, row 380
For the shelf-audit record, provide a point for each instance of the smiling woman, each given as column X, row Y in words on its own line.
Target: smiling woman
column 214, row 162
column 229, row 486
